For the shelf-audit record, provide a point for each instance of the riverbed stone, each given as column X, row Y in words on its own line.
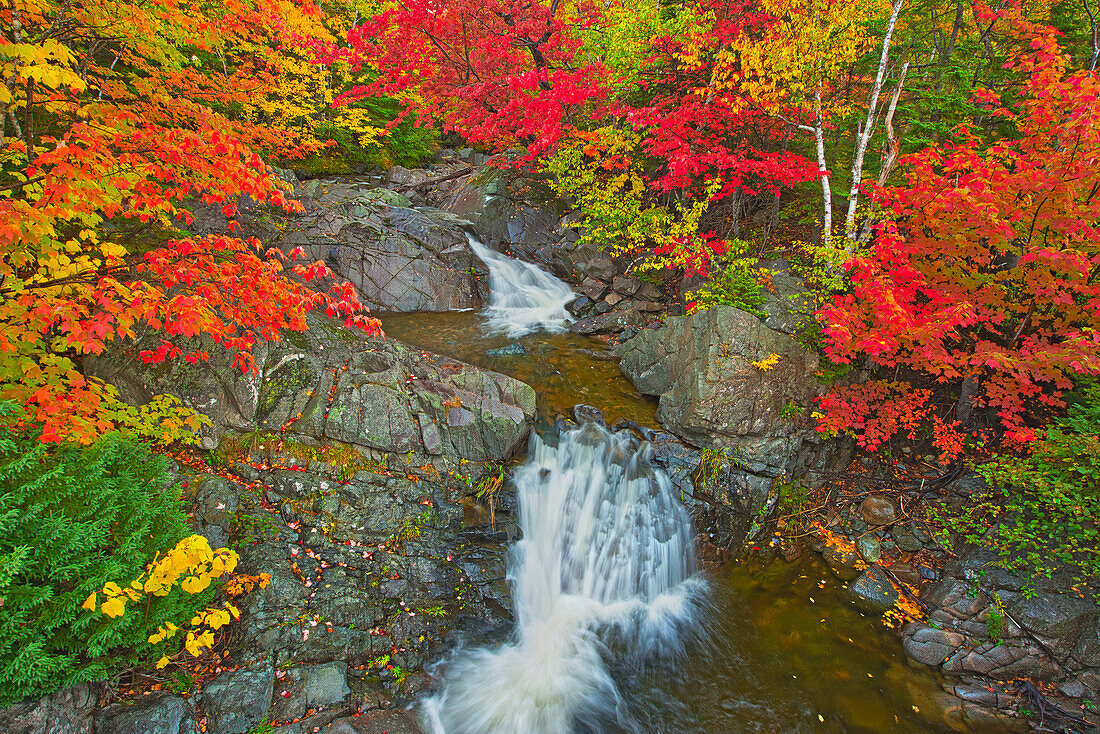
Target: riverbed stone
column 872, row 591
column 237, row 700
column 877, row 509
column 869, row 548
column 930, row 645
column 158, row 713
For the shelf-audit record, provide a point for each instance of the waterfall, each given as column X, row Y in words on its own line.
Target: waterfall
column 602, row 579
column 523, row 298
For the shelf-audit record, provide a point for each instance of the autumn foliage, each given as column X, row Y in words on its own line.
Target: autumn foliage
column 986, row 268
column 113, row 125
column 638, row 101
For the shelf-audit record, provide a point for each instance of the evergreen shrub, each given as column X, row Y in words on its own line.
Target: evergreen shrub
column 71, row 519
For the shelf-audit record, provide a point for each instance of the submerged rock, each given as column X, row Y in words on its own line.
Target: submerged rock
column 872, row 591
column 514, row 349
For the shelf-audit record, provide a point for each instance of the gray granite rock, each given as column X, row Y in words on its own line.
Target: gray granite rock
column 237, row 700
column 711, row 395
column 872, row 591
column 930, row 645
column 157, row 713
column 329, row 383
column 65, row 712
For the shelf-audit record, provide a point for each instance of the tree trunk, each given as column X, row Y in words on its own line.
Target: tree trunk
column 868, row 129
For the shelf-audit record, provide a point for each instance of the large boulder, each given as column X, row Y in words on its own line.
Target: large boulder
column 399, row 258
column 329, row 383
column 701, row 367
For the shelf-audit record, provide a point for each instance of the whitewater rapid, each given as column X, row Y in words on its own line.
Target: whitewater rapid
column 604, row 577
column 523, row 298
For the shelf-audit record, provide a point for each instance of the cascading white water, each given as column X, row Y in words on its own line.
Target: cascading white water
column 523, row 298
column 602, row 576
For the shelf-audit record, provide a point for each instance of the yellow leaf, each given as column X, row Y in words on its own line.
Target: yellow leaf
column 114, row 607
column 195, row 584
column 162, row 662
column 89, row 603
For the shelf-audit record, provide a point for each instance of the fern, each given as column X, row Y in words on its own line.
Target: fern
column 71, row 519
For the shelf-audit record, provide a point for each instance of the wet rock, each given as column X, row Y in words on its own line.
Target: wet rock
column 905, row 538
column 877, row 510
column 1003, row 661
column 578, row 305
column 514, row 349
column 843, row 561
column 592, row 288
column 869, row 548
column 930, row 645
column 159, row 713
column 588, row 414
column 392, row 721
column 501, row 208
column 65, row 712
column 906, row 573
column 237, row 700
column 608, row 322
column 960, row 715
column 872, row 591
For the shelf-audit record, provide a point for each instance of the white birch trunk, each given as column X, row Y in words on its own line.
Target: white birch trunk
column 868, row 128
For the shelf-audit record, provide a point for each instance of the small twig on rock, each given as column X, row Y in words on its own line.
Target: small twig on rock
column 905, row 590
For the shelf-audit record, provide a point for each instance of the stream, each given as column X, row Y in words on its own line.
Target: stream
column 616, row 630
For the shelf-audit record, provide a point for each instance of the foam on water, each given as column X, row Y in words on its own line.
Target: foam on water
column 523, row 298
column 602, row 579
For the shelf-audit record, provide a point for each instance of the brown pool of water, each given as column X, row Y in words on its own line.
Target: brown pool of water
column 565, row 369
column 784, row 651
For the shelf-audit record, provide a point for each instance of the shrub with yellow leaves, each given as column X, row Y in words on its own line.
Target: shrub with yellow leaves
column 767, row 363
column 192, row 565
